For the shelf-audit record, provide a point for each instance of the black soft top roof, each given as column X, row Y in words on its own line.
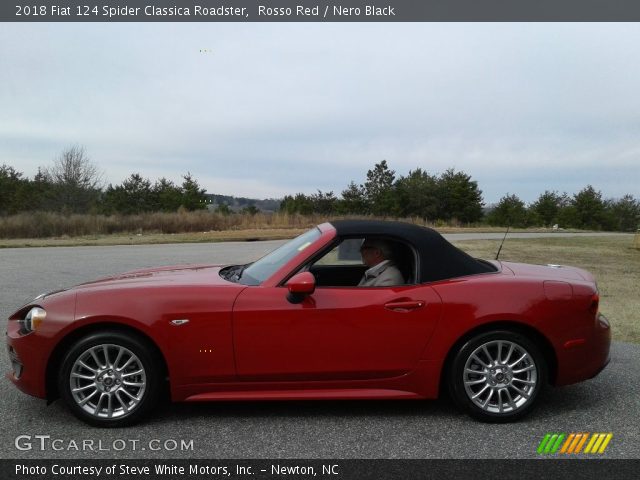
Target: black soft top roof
column 439, row 259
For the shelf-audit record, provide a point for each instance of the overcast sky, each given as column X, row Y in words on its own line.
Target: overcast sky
column 263, row 110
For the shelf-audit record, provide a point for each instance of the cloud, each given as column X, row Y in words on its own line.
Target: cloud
column 269, row 109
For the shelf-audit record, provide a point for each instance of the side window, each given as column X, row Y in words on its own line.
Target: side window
column 346, row 263
column 346, row 253
column 341, row 266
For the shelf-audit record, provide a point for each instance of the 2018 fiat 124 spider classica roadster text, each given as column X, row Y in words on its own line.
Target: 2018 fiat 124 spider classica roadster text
column 347, row 310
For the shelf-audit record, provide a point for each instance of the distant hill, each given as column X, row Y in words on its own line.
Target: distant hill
column 238, row 203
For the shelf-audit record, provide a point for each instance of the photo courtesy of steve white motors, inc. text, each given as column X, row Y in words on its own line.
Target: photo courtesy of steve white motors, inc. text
column 170, row 469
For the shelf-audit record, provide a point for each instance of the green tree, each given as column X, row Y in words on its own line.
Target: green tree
column 547, row 207
column 193, row 197
column 112, row 200
column 19, row 194
column 568, row 217
column 324, row 203
column 460, row 197
column 40, row 191
column 378, row 189
column 135, row 195
column 11, row 186
column 287, row 205
column 301, row 204
column 589, row 208
column 625, row 214
column 167, row 196
column 417, row 195
column 510, row 211
column 353, row 200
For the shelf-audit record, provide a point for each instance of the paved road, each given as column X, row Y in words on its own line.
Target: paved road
column 357, row 429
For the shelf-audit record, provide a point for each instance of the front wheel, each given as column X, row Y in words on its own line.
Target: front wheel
column 497, row 376
column 109, row 379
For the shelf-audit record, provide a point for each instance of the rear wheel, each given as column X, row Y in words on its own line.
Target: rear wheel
column 497, row 376
column 109, row 379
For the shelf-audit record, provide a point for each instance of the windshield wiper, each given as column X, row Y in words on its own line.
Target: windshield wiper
column 238, row 274
column 233, row 273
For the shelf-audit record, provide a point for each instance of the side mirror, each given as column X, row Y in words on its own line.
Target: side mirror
column 301, row 285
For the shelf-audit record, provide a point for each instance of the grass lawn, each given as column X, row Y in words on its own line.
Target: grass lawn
column 613, row 261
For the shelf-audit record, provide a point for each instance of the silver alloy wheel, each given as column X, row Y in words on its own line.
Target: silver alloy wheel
column 108, row 381
column 500, row 376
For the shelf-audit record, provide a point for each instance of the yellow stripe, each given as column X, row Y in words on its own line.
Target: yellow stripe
column 593, row 439
column 584, row 439
column 566, row 444
column 606, row 442
column 575, row 442
column 596, row 446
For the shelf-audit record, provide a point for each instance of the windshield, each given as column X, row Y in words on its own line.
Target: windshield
column 259, row 271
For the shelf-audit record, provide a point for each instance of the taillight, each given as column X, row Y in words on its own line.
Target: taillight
column 595, row 303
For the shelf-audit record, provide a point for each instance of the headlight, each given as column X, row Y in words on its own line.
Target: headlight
column 33, row 319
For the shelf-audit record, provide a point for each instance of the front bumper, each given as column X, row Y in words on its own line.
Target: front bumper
column 28, row 365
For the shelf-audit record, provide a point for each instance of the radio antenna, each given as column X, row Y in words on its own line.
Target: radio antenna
column 503, row 239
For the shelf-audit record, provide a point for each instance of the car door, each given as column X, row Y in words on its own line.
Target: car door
column 336, row 333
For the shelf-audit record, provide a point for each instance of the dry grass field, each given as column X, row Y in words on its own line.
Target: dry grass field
column 613, row 260
column 241, row 235
column 52, row 229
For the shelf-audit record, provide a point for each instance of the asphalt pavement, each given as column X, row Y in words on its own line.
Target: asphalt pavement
column 348, row 429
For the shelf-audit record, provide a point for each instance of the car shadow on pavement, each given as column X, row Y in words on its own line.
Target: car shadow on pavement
column 308, row 408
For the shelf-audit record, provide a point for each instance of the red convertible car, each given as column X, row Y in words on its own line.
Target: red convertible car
column 296, row 324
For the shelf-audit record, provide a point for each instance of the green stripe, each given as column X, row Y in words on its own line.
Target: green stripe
column 543, row 443
column 558, row 443
column 550, row 443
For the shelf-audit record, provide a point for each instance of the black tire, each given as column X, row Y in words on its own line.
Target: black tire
column 123, row 403
column 500, row 380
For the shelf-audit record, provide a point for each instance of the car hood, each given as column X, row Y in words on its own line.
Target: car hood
column 551, row 271
column 174, row 274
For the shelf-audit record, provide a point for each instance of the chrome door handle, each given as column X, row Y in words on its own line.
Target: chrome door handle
column 404, row 306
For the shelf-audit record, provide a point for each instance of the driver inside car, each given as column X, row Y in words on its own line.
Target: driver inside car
column 377, row 255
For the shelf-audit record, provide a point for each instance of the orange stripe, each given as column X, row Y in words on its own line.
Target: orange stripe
column 584, row 439
column 575, row 442
column 566, row 444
